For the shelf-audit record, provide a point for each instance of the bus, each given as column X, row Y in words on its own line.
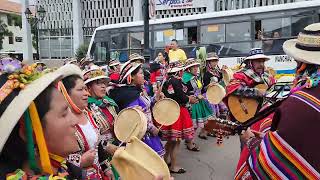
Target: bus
column 231, row 34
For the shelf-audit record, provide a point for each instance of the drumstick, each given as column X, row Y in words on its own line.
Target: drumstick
column 135, row 127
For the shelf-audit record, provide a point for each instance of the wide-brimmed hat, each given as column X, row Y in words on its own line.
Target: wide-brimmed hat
column 138, row 161
column 256, row 53
column 85, row 61
column 175, row 66
column 227, row 75
column 94, row 73
column 135, row 56
column 191, row 62
column 212, row 56
column 19, row 88
column 114, row 63
column 127, row 69
column 306, row 48
column 71, row 61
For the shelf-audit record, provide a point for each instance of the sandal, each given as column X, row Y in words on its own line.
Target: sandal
column 203, row 137
column 211, row 135
column 195, row 148
column 180, row 171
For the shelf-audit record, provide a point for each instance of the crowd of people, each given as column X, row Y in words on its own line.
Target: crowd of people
column 59, row 123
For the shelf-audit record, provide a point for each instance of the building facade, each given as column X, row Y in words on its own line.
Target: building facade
column 69, row 23
column 10, row 18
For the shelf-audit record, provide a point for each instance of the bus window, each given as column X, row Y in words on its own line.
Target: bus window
column 273, row 34
column 119, row 41
column 299, row 22
column 238, row 32
column 136, row 40
column 192, row 35
column 213, row 33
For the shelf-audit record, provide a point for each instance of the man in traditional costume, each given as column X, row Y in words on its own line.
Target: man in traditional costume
column 287, row 151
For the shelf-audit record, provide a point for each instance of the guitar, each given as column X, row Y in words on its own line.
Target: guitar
column 243, row 108
column 225, row 126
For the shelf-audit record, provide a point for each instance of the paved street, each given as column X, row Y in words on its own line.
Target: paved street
column 212, row 162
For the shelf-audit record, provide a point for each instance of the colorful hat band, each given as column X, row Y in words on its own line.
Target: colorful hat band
column 93, row 74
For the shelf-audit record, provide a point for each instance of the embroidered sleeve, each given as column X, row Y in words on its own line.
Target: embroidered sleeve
column 74, row 159
column 246, row 92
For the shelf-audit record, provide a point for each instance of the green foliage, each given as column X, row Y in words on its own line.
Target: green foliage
column 15, row 20
column 81, row 51
column 3, row 32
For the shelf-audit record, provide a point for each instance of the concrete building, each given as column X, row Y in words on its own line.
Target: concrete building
column 10, row 15
column 69, row 23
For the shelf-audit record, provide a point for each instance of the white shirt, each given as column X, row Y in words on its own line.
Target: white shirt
column 90, row 134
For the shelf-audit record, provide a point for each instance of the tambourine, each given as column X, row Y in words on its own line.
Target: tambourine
column 138, row 161
column 166, row 111
column 215, row 93
column 130, row 122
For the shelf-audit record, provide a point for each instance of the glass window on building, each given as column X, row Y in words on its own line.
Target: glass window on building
column 238, row 32
column 214, row 33
column 299, row 23
column 11, row 40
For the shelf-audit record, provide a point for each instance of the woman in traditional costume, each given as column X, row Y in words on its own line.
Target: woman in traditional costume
column 201, row 111
column 93, row 132
column 157, row 70
column 114, row 71
column 131, row 93
column 183, row 127
column 101, row 105
column 37, row 126
column 288, row 151
column 213, row 75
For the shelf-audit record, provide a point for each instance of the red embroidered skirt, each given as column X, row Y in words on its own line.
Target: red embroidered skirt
column 181, row 129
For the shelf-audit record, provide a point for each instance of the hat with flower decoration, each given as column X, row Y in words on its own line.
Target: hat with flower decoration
column 94, row 73
column 19, row 85
column 191, row 62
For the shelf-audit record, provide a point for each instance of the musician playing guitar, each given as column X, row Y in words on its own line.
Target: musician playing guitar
column 246, row 79
column 243, row 84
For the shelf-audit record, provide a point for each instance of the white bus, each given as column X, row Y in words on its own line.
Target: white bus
column 231, row 34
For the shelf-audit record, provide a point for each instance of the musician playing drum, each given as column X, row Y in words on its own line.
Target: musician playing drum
column 183, row 127
column 211, row 76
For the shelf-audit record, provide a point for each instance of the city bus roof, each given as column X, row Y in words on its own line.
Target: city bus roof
column 220, row 14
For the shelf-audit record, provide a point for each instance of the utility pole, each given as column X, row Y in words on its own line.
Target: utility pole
column 146, row 47
column 27, row 40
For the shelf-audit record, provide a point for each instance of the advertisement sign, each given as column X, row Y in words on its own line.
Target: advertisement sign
column 178, row 4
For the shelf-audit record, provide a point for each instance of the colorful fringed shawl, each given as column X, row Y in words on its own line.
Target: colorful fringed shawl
column 276, row 159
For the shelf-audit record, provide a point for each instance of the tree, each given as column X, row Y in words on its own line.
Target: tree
column 3, row 32
column 82, row 51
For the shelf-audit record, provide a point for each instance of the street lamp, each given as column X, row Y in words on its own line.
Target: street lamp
column 34, row 20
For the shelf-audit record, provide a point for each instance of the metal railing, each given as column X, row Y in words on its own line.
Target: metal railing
column 224, row 5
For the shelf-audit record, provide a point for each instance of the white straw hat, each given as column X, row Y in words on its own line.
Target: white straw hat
column 23, row 99
column 306, row 48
